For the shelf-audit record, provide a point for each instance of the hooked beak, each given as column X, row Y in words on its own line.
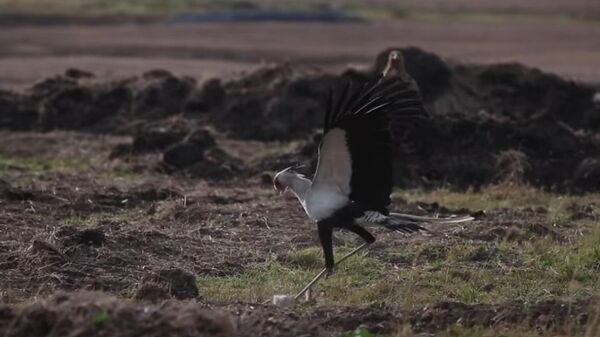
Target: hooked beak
column 279, row 187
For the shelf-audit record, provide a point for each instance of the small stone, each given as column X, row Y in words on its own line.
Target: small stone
column 283, row 300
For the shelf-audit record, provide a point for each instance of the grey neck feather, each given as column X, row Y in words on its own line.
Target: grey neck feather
column 300, row 186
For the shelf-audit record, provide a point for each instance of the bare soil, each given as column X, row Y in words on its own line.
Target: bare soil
column 86, row 313
column 485, row 123
column 31, row 53
column 144, row 237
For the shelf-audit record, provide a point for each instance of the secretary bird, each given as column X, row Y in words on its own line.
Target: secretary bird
column 353, row 181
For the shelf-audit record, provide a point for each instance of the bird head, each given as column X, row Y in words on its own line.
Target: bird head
column 284, row 178
column 395, row 65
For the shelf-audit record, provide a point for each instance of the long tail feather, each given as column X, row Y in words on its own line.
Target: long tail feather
column 430, row 219
column 407, row 223
column 405, row 227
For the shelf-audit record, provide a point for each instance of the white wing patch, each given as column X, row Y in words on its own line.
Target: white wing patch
column 323, row 202
column 334, row 169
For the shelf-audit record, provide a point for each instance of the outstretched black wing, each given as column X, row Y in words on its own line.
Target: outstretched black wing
column 355, row 155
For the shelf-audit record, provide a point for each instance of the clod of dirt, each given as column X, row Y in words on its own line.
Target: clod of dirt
column 212, row 94
column 68, row 103
column 587, row 173
column 17, row 112
column 159, row 135
column 154, row 193
column 45, row 251
column 78, row 73
column 543, row 314
column 531, row 91
column 112, row 198
column 13, row 194
column 90, row 237
column 289, row 115
column 273, row 102
column 511, row 167
column 266, row 178
column 190, row 151
column 71, row 236
column 512, row 233
column 198, row 156
column 202, row 138
column 216, row 164
column 152, row 292
column 78, row 100
column 511, row 225
column 159, row 94
column 179, row 283
column 96, row 314
column 580, row 212
column 182, row 155
column 154, row 136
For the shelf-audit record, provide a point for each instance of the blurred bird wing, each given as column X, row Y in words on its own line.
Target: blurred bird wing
column 334, row 168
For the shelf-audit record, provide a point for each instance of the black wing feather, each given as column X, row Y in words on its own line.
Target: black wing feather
column 364, row 113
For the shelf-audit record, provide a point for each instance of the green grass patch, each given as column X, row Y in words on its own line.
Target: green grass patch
column 75, row 220
column 261, row 282
column 577, row 263
column 40, row 165
column 360, row 332
column 468, row 272
column 500, row 196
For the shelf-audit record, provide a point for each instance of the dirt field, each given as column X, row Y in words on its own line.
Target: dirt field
column 29, row 54
column 136, row 197
column 72, row 219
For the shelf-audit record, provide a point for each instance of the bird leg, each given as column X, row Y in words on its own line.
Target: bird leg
column 324, row 271
column 326, row 238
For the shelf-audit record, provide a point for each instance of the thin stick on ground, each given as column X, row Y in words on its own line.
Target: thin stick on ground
column 322, row 272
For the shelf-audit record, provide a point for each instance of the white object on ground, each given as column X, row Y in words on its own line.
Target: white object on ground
column 283, row 300
column 308, row 295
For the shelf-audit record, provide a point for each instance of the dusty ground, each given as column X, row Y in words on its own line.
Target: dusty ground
column 28, row 54
column 74, row 220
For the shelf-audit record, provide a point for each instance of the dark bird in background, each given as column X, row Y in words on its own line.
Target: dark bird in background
column 353, row 181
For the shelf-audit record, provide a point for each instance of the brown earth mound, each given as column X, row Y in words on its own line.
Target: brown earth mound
column 79, row 101
column 498, row 123
column 182, row 148
column 96, row 314
column 89, row 314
